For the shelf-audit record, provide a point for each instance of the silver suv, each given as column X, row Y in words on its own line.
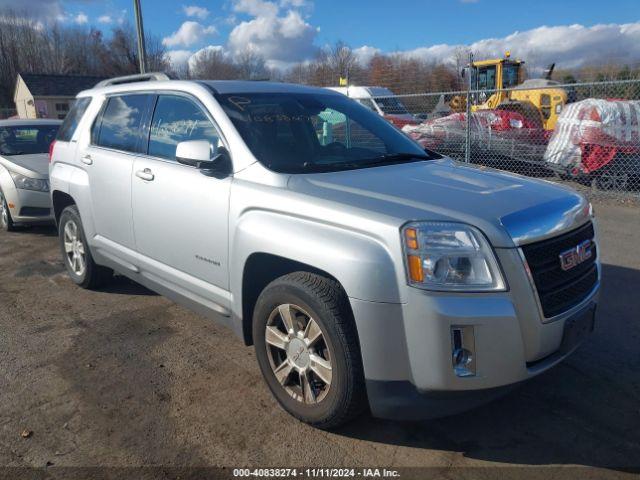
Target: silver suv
column 366, row 271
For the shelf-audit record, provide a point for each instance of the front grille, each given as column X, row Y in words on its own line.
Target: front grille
column 558, row 289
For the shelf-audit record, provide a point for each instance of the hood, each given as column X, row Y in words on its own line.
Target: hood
column 510, row 209
column 38, row 163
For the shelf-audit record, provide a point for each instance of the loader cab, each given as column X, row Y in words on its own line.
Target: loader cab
column 490, row 77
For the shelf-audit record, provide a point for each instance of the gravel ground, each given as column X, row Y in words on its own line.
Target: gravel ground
column 123, row 377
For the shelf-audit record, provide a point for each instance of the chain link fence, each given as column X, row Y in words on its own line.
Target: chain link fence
column 585, row 134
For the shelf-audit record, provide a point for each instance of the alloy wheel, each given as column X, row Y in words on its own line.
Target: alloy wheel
column 74, row 248
column 4, row 213
column 298, row 354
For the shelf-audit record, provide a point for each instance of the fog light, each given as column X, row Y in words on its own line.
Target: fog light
column 463, row 351
column 462, row 358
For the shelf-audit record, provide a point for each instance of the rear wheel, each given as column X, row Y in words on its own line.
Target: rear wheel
column 77, row 257
column 613, row 178
column 308, row 350
column 6, row 223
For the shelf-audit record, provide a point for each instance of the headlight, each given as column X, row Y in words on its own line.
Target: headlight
column 28, row 183
column 450, row 256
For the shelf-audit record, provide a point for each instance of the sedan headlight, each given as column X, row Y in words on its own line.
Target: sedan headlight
column 450, row 256
column 28, row 183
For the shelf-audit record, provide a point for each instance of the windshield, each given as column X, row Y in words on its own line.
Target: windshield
column 26, row 139
column 391, row 105
column 510, row 75
column 485, row 77
column 302, row 132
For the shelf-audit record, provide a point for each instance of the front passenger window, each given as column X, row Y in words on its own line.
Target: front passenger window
column 177, row 119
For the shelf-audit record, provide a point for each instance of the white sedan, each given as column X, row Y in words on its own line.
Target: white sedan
column 24, row 172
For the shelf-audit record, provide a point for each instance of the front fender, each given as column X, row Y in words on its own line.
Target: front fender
column 8, row 187
column 363, row 264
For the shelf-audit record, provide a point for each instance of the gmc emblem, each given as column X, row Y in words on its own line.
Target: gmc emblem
column 576, row 255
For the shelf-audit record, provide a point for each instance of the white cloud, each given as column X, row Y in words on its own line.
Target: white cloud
column 569, row 46
column 106, row 19
column 81, row 19
column 203, row 51
column 195, row 11
column 43, row 9
column 122, row 17
column 188, row 34
column 280, row 39
column 181, row 58
column 256, row 8
column 293, row 3
column 178, row 58
column 365, row 53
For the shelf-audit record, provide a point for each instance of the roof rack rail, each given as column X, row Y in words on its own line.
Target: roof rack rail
column 139, row 77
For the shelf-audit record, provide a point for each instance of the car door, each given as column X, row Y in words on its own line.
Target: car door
column 116, row 138
column 180, row 215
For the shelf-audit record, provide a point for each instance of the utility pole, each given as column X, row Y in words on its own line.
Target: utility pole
column 467, row 138
column 142, row 51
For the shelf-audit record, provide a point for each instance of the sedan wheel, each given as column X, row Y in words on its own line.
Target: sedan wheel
column 298, row 354
column 74, row 248
column 5, row 216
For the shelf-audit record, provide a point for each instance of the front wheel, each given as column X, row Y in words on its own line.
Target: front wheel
column 77, row 257
column 308, row 349
column 6, row 223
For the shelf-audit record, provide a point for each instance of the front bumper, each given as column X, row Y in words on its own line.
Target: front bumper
column 30, row 207
column 407, row 348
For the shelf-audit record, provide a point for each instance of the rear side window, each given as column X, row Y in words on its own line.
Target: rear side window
column 120, row 127
column 177, row 119
column 72, row 119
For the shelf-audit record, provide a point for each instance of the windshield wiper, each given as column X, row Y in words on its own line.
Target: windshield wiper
column 386, row 159
column 390, row 158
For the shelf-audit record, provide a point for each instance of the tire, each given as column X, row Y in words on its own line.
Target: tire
column 73, row 244
column 613, row 178
column 6, row 222
column 308, row 298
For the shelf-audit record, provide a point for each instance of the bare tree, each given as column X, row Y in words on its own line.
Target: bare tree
column 461, row 58
column 342, row 60
column 251, row 64
column 213, row 65
column 27, row 46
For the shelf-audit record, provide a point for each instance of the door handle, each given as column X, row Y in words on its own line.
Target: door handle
column 145, row 174
column 87, row 160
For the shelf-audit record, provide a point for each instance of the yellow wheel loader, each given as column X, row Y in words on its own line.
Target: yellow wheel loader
column 499, row 84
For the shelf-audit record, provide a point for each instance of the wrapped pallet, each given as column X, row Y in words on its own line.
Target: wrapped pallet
column 495, row 135
column 596, row 135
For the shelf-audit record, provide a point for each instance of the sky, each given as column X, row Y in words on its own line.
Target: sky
column 569, row 32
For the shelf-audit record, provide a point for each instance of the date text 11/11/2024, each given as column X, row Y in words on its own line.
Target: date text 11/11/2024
column 316, row 473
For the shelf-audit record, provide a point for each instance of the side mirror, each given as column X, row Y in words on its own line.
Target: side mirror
column 194, row 153
column 201, row 154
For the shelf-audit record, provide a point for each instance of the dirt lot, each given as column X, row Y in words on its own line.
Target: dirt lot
column 123, row 377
